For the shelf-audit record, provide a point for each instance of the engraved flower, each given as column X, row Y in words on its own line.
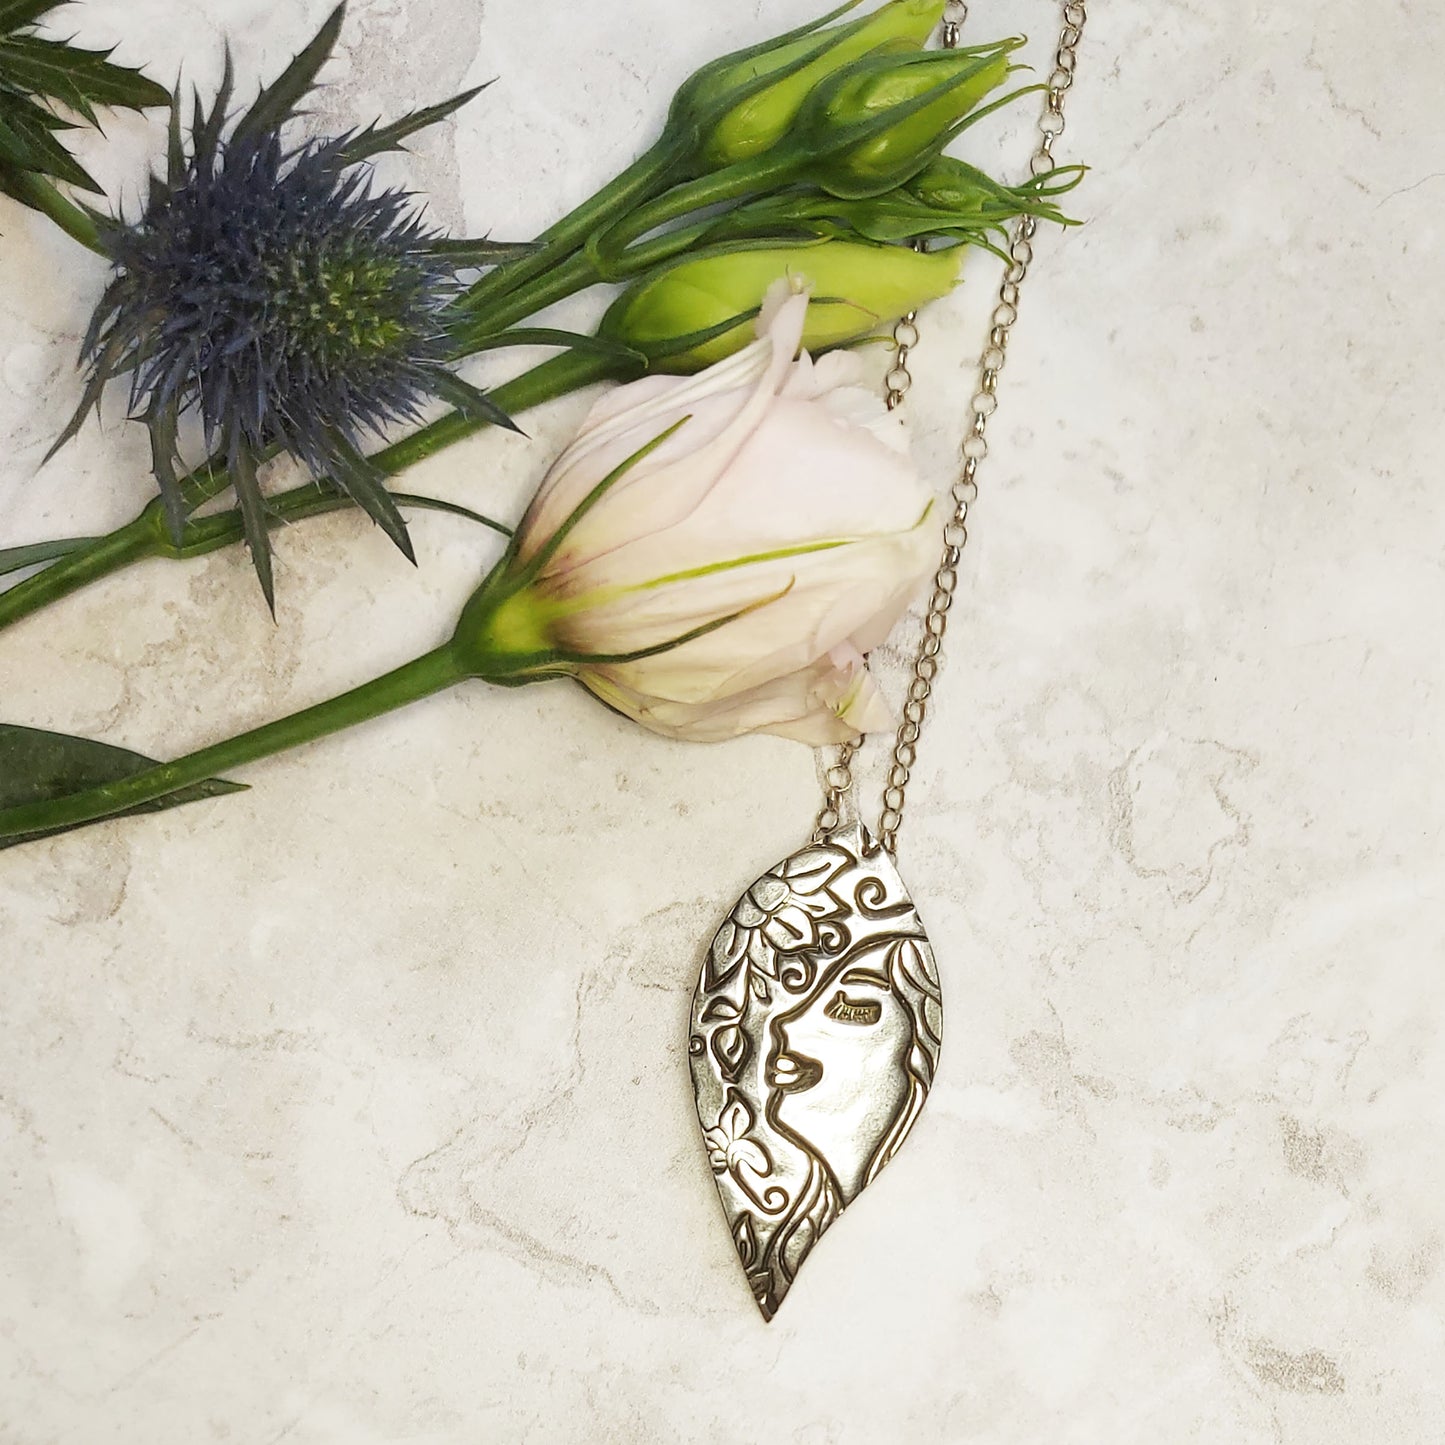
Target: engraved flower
column 779, row 914
column 728, row 1146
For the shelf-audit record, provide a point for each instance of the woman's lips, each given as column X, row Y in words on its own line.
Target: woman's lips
column 792, row 1073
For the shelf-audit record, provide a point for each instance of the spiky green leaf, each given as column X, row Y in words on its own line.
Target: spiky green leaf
column 39, row 78
column 378, row 138
column 78, row 79
column 462, row 251
column 469, row 400
column 32, row 130
column 365, row 484
column 16, row 14
column 277, row 102
column 254, row 520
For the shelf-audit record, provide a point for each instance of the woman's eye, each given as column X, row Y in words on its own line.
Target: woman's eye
column 853, row 1011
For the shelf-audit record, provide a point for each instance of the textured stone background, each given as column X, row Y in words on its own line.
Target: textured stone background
column 353, row 1109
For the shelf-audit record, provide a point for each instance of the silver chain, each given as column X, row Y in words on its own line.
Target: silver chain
column 839, row 778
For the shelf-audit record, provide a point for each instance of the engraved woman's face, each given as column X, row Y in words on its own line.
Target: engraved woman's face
column 838, row 1066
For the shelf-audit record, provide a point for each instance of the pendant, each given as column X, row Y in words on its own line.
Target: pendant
column 815, row 1036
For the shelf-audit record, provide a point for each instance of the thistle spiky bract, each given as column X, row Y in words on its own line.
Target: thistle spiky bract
column 40, row 77
column 269, row 290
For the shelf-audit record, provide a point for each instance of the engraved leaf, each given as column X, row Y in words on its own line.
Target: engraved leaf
column 730, row 1048
column 745, row 1237
column 727, row 953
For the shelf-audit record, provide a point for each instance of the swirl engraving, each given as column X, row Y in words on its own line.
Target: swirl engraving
column 819, row 1015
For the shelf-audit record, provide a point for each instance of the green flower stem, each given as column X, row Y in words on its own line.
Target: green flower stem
column 38, row 193
column 149, row 536
column 119, row 549
column 644, row 179
column 431, row 673
column 758, row 178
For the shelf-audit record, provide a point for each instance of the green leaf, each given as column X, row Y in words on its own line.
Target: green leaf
column 13, row 150
column 39, row 767
column 277, row 102
column 17, row 13
column 35, row 554
column 34, row 129
column 378, row 138
column 80, row 79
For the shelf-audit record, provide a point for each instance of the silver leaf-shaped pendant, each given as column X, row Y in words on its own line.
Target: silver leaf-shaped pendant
column 815, row 1036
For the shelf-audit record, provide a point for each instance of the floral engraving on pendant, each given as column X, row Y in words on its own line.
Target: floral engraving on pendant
column 816, row 1030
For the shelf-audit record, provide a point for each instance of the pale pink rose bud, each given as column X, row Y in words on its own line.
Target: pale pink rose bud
column 717, row 555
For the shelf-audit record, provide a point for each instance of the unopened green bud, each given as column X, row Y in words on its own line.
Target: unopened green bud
column 949, row 184
column 976, row 201
column 702, row 309
column 873, row 127
column 773, row 83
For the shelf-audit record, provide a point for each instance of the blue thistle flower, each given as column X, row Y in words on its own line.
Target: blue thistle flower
column 269, row 290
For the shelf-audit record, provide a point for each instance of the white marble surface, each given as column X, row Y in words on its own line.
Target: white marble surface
column 353, row 1109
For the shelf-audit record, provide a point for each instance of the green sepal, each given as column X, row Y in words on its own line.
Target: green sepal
column 39, row 767
column 616, row 659
column 488, row 643
column 701, row 100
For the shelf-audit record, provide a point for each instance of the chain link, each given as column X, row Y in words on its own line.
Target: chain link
column 837, row 787
column 975, row 446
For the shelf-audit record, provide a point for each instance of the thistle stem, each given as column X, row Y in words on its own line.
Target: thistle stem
column 431, row 673
column 36, row 192
column 147, row 535
column 134, row 542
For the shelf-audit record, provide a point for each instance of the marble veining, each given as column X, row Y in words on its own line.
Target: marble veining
column 353, row 1109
